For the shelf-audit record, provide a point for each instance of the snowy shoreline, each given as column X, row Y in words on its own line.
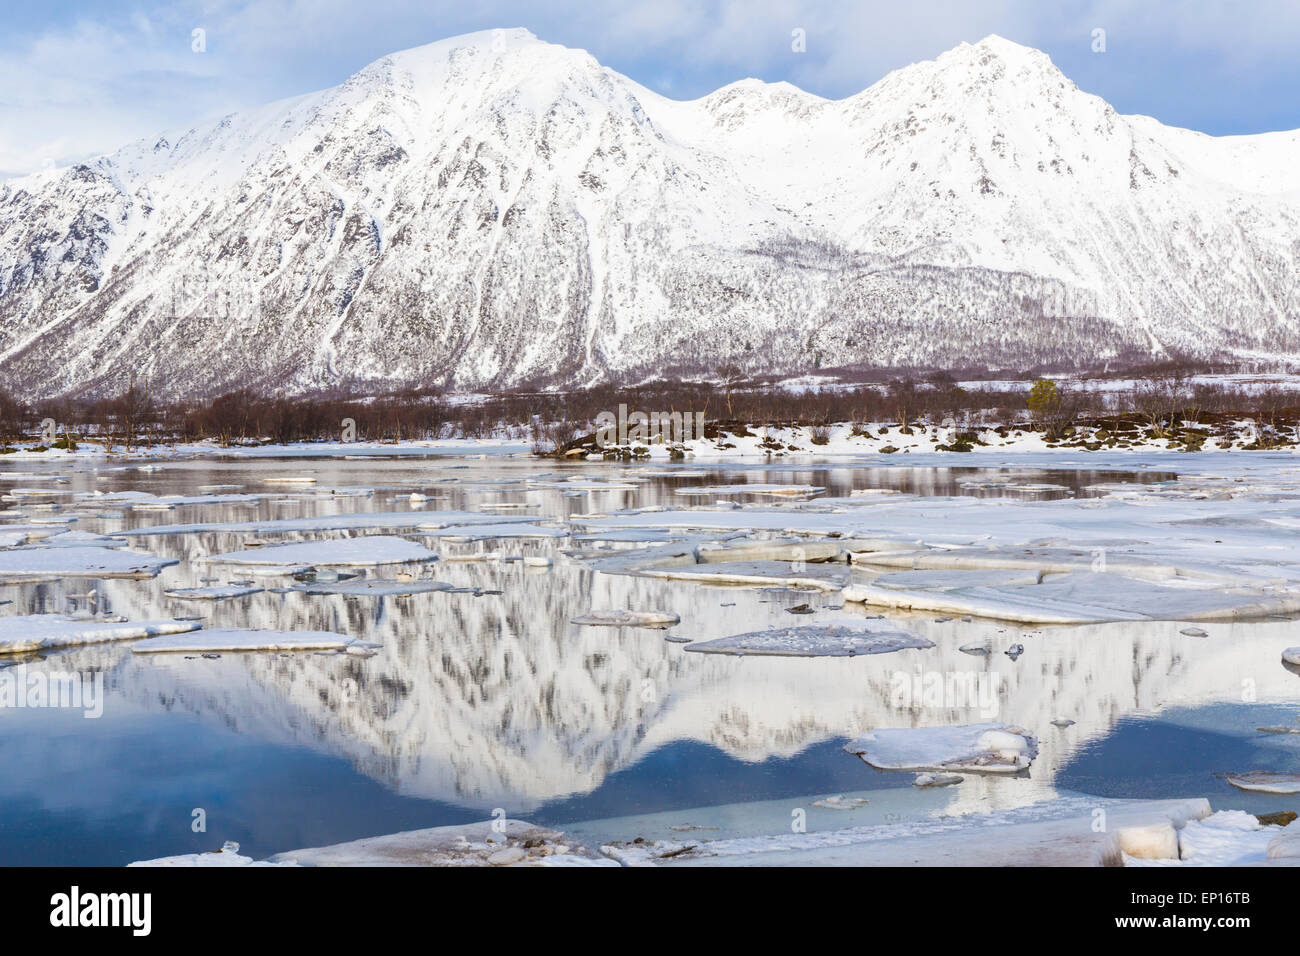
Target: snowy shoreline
column 1072, row 830
column 887, row 440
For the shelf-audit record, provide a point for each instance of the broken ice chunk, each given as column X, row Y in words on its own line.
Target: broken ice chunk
column 80, row 562
column 620, row 618
column 987, row 748
column 1265, row 782
column 840, row 802
column 214, row 593
column 818, row 640
column 372, row 587
column 1286, row 845
column 244, row 639
column 368, row 550
column 38, row 631
column 927, row 780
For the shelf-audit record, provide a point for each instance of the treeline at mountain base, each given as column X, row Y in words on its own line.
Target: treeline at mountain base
column 1172, row 401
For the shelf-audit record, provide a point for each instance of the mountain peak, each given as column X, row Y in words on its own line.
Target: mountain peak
column 995, row 49
column 1004, row 47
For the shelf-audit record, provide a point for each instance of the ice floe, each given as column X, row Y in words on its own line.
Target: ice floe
column 983, row 748
column 490, row 843
column 216, row 592
column 927, row 780
column 840, row 802
column 366, row 551
column 144, row 501
column 1285, row 845
column 82, row 539
column 1166, row 559
column 1058, row 833
column 1225, row 838
column 236, row 639
column 1078, row 598
column 623, row 618
column 770, row 549
column 1265, row 782
column 79, row 561
column 35, row 632
column 755, row 488
column 374, row 520
column 482, row 532
column 824, row 577
column 228, row 855
column 817, row 640
column 373, row 587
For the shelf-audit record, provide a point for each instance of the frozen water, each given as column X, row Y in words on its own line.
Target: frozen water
column 36, row 632
column 218, row 592
column 366, row 551
column 221, row 640
column 986, row 748
column 79, row 561
column 825, row 577
column 484, row 696
column 1265, row 782
column 373, row 587
column 622, row 618
column 519, row 529
column 818, row 640
column 503, row 842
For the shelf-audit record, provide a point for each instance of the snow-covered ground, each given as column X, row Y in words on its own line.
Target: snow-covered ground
column 1072, row 831
column 764, row 442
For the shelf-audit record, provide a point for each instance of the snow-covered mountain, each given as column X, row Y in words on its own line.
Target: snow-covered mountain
column 492, row 209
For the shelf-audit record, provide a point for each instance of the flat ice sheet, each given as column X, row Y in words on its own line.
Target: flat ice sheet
column 488, row 843
column 817, row 640
column 756, row 488
column 518, row 529
column 373, row 587
column 1265, row 782
column 377, row 520
column 1080, row 598
column 219, row 640
column 825, row 577
column 365, row 551
column 34, row 632
column 80, row 561
column 622, row 618
column 974, row 748
column 217, row 592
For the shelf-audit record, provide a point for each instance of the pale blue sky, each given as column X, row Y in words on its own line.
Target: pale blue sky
column 78, row 77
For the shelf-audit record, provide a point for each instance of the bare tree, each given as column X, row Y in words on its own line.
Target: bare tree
column 1160, row 394
column 132, row 410
column 730, row 376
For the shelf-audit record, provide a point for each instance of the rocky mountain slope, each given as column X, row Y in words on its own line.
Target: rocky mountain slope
column 492, row 209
